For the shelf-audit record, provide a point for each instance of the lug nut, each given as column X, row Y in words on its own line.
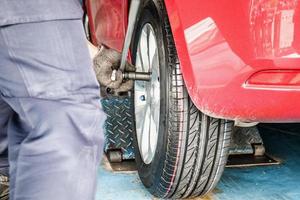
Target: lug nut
column 142, row 98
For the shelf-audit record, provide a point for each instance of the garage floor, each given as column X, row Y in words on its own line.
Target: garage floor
column 281, row 182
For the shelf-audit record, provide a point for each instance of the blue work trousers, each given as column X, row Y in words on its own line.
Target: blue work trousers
column 50, row 114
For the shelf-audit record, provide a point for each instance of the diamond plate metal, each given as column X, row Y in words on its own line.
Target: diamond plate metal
column 119, row 125
column 243, row 139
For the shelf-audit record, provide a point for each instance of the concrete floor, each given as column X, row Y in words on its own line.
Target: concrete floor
column 281, row 182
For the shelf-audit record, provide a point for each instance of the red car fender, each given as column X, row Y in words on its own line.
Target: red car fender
column 222, row 43
column 240, row 58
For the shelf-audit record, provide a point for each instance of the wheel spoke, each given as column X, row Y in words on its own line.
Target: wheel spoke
column 153, row 54
column 154, row 134
column 145, row 133
column 148, row 45
column 149, row 135
column 143, row 44
column 138, row 60
column 141, row 65
column 140, row 108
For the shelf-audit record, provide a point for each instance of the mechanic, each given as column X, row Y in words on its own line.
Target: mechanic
column 49, row 102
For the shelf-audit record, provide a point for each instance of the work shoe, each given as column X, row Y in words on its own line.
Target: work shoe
column 4, row 187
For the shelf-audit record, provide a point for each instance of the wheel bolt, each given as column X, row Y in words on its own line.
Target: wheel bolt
column 142, row 98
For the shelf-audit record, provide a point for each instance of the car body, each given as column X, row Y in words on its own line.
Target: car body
column 240, row 59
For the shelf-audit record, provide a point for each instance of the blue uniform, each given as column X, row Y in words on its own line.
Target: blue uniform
column 49, row 101
column 27, row 11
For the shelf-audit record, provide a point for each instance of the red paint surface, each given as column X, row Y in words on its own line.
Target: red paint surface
column 275, row 79
column 108, row 21
column 221, row 44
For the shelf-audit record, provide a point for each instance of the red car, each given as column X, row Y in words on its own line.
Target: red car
column 213, row 63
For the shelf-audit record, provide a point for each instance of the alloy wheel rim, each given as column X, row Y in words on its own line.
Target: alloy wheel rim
column 147, row 94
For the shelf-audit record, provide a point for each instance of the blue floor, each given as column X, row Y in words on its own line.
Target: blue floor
column 281, row 182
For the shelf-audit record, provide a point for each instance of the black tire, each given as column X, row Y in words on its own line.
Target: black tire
column 192, row 147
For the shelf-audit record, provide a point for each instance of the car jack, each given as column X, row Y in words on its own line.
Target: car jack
column 247, row 149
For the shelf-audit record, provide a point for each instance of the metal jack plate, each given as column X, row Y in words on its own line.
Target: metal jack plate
column 250, row 160
column 118, row 128
column 247, row 149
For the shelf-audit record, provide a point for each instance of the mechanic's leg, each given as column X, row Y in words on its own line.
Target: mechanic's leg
column 5, row 114
column 55, row 137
